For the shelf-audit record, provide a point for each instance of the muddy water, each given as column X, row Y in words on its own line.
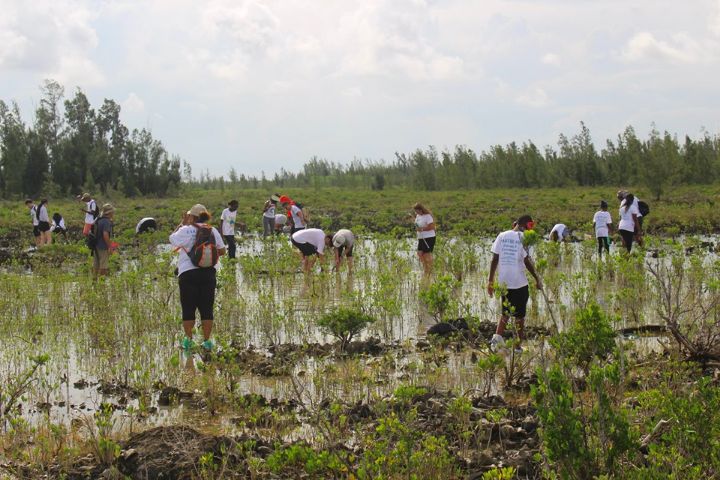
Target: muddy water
column 257, row 308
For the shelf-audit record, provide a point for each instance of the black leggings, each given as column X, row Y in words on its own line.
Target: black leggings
column 627, row 237
column 197, row 292
column 230, row 242
column 603, row 244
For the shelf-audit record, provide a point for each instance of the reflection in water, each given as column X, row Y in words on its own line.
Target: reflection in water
column 272, row 302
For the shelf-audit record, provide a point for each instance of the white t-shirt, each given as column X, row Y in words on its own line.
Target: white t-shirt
column 511, row 265
column 33, row 215
column 184, row 239
column 270, row 212
column 636, row 204
column 626, row 220
column 42, row 214
column 313, row 236
column 343, row 238
column 56, row 226
column 561, row 230
column 228, row 219
column 139, row 224
column 295, row 212
column 90, row 207
column 601, row 220
column 280, row 219
column 423, row 221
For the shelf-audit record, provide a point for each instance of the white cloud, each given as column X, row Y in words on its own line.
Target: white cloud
column 414, row 72
column 644, row 46
column 536, row 98
column 133, row 104
column 551, row 59
column 50, row 38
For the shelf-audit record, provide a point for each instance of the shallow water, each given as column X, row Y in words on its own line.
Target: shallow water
column 269, row 303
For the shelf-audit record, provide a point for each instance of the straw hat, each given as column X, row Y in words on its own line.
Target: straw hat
column 107, row 209
column 197, row 210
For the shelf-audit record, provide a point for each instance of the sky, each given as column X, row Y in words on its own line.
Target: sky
column 260, row 85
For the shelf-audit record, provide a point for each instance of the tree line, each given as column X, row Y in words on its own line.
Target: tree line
column 72, row 147
column 657, row 162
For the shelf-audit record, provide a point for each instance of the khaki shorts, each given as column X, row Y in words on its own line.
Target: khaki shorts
column 101, row 259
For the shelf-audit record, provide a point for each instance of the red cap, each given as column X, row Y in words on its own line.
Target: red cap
column 284, row 199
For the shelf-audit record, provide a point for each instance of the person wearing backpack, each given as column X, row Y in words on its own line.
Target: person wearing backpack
column 642, row 208
column 91, row 210
column 102, row 233
column 199, row 246
column 58, row 225
column 629, row 225
column 33, row 216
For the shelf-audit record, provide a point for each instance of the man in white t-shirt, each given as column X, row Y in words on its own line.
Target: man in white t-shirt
column 602, row 223
column 91, row 212
column 310, row 242
column 510, row 259
column 227, row 226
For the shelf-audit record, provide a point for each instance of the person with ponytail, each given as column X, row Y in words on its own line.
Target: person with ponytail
column 629, row 226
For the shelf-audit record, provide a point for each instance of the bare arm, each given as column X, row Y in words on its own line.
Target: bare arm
column 427, row 228
column 493, row 269
column 106, row 239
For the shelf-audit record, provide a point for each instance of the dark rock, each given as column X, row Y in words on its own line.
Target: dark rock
column 168, row 396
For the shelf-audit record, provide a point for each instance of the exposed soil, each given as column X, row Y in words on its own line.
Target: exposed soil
column 182, row 452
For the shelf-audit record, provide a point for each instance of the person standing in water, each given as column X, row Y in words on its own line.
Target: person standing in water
column 269, row 215
column 602, row 223
column 629, row 225
column 197, row 282
column 510, row 259
column 227, row 226
column 425, row 228
column 103, row 229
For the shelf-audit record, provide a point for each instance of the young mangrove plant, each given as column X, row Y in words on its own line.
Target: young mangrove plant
column 344, row 324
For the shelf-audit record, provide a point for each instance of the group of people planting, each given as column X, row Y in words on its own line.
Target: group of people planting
column 199, row 246
column 632, row 211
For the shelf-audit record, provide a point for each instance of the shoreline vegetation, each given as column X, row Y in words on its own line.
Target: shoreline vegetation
column 682, row 211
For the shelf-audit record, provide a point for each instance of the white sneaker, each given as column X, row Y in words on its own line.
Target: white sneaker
column 496, row 342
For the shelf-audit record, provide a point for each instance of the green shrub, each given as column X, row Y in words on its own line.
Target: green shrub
column 344, row 324
column 590, row 337
column 440, row 299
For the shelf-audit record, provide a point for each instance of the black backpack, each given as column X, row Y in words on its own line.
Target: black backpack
column 95, row 211
column 644, row 208
column 204, row 253
column 91, row 240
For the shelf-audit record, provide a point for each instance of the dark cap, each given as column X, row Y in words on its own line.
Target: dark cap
column 524, row 220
